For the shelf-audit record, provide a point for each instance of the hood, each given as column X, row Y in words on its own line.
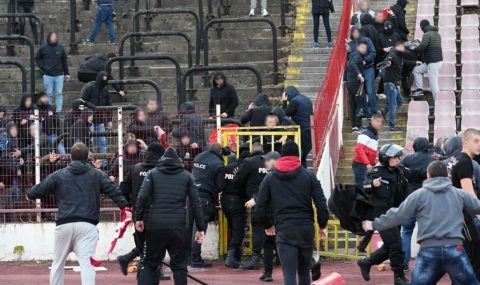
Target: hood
column 3, row 108
column 353, row 29
column 438, row 184
column 430, row 29
column 11, row 125
column 292, row 92
column 49, row 36
column 76, row 104
column 388, row 28
column 279, row 112
column 78, row 167
column 262, row 100
column 100, row 83
column 366, row 19
column 187, row 108
column 170, row 163
column 24, row 97
column 421, row 145
column 288, row 164
column 402, row 3
column 453, row 145
column 219, row 74
column 155, row 151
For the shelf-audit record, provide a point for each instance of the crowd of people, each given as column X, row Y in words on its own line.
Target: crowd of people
column 379, row 47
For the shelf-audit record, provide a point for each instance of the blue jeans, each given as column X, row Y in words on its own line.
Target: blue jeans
column 433, row 262
column 370, row 92
column 394, row 100
column 102, row 141
column 104, row 15
column 359, row 173
column 60, row 147
column 54, row 86
column 16, row 192
column 407, row 231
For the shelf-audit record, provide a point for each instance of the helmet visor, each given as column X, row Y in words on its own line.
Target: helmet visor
column 394, row 151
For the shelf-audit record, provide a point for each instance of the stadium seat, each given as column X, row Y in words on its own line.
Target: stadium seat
column 470, row 44
column 418, row 107
column 469, row 95
column 447, row 20
column 447, row 69
column 469, row 32
column 448, row 44
column 447, row 9
column 449, row 56
column 447, row 83
column 470, row 81
column 444, row 107
column 471, row 107
column 470, row 121
column 442, row 131
column 417, row 120
column 425, row 10
column 447, row 33
column 470, row 20
column 469, row 2
column 414, row 132
column 445, row 96
column 470, row 69
column 471, row 56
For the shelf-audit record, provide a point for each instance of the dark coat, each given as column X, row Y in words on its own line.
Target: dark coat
column 399, row 10
column 209, row 173
column 225, row 95
column 97, row 94
column 393, row 72
column 143, row 131
column 422, row 157
column 322, row 7
column 21, row 113
column 231, row 170
column 52, row 59
column 159, row 118
column 385, row 40
column 282, row 118
column 77, row 189
column 94, row 64
column 251, row 174
column 354, row 66
column 49, row 119
column 164, row 193
column 299, row 108
column 257, row 115
column 191, row 123
column 431, row 45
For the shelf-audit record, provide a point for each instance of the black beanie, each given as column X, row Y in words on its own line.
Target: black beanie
column 170, row 153
column 156, row 149
column 290, row 148
column 424, row 23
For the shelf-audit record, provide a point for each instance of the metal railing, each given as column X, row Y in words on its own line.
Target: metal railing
column 245, row 20
column 22, row 70
column 170, row 11
column 32, row 55
column 108, row 68
column 183, row 92
column 73, row 27
column 24, row 15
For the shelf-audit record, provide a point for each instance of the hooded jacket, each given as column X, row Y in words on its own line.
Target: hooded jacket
column 322, row 7
column 77, row 189
column 209, row 173
column 231, row 171
column 257, row 115
column 299, row 108
column 192, row 123
column 22, row 112
column 225, row 95
column 289, row 191
column 98, row 95
column 419, row 160
column 368, row 30
column 387, row 39
column 164, row 193
column 94, row 64
column 431, row 45
column 5, row 120
column 399, row 10
column 142, row 130
column 371, row 52
column 392, row 73
column 251, row 174
column 355, row 19
column 367, row 147
column 52, row 59
column 355, row 67
column 283, row 120
column 49, row 119
column 438, row 207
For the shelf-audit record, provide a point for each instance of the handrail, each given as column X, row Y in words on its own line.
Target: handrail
column 11, row 8
column 32, row 55
column 73, row 27
column 183, row 97
column 22, row 70
column 245, row 20
column 26, row 15
column 166, row 11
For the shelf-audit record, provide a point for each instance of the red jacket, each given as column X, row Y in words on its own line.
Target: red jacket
column 366, row 148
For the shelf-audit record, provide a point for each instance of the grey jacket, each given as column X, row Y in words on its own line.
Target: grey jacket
column 438, row 207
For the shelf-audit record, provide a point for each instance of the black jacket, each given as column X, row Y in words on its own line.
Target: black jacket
column 385, row 40
column 299, row 108
column 418, row 160
column 322, row 7
column 257, row 115
column 290, row 195
column 191, row 123
column 97, row 94
column 354, row 67
column 77, row 189
column 164, row 193
column 368, row 30
column 393, row 72
column 49, row 119
column 231, row 170
column 251, row 174
column 226, row 96
column 52, row 59
column 209, row 173
column 283, row 120
column 431, row 45
column 399, row 10
column 94, row 64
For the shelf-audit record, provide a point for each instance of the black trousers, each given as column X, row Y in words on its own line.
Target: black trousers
column 316, row 26
column 139, row 238
column 157, row 243
column 356, row 103
column 208, row 209
column 33, row 24
column 258, row 231
column 268, row 247
column 234, row 209
column 295, row 260
column 306, row 137
column 391, row 249
column 472, row 247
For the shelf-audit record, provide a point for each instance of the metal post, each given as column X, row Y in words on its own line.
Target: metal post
column 283, row 25
column 32, row 55
column 148, row 18
column 200, row 31
column 38, row 205
column 22, row 71
column 219, row 122
column 11, row 8
column 120, row 143
column 210, row 10
column 73, row 27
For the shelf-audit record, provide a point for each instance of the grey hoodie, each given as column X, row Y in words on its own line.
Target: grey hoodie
column 438, row 207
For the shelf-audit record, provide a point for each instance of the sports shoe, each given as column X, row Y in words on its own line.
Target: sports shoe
column 393, row 128
column 355, row 130
column 417, row 93
column 329, row 45
column 252, row 13
column 111, row 43
column 266, row 277
column 315, row 45
column 87, row 41
column 265, row 13
column 198, row 262
column 381, row 96
column 365, row 266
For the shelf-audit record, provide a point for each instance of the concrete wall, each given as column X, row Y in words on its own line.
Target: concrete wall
column 38, row 239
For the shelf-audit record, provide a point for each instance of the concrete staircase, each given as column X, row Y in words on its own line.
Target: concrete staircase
column 306, row 65
column 248, row 43
column 344, row 170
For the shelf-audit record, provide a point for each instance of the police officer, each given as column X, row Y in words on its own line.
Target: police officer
column 387, row 187
column 249, row 177
column 233, row 201
column 209, row 172
column 130, row 188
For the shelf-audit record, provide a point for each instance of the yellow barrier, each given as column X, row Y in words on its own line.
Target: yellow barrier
column 231, row 135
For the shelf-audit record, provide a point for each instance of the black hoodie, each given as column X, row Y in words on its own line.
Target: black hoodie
column 52, row 59
column 98, row 95
column 257, row 115
column 77, row 189
column 49, row 119
column 192, row 123
column 22, row 113
column 399, row 10
column 367, row 29
column 164, row 193
column 225, row 95
column 419, row 160
column 387, row 38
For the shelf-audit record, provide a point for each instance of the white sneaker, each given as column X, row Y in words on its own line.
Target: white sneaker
column 265, row 13
column 252, row 12
column 381, row 96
